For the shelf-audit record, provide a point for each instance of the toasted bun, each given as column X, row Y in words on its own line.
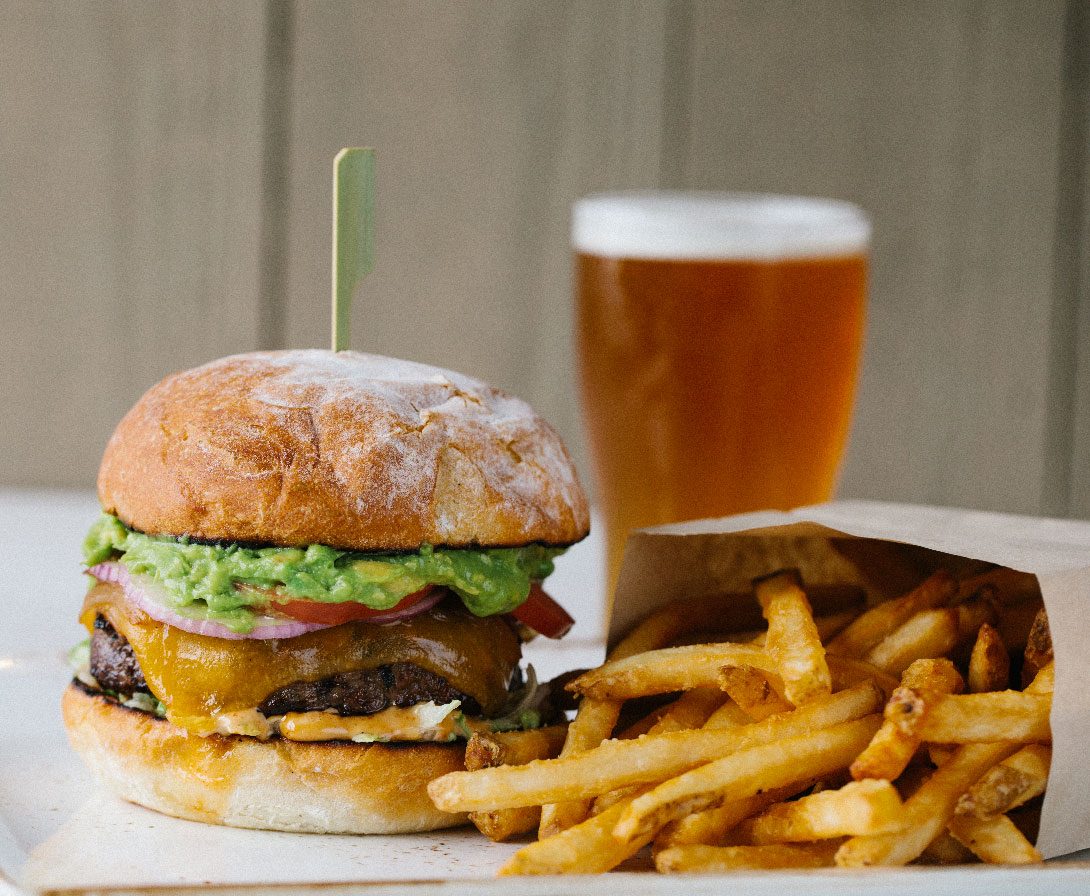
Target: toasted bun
column 239, row 781
column 350, row 450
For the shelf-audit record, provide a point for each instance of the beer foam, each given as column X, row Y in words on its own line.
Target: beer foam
column 721, row 226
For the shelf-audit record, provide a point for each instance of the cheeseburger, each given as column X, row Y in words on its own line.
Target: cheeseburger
column 310, row 582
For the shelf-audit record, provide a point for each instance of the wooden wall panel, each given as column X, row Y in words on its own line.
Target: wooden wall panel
column 130, row 190
column 488, row 120
column 165, row 199
column 942, row 119
column 1069, row 423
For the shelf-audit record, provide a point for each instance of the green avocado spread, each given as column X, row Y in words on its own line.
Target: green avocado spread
column 200, row 578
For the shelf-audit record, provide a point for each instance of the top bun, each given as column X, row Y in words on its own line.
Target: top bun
column 350, row 450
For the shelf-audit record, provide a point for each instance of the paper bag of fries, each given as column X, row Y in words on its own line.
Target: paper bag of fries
column 851, row 684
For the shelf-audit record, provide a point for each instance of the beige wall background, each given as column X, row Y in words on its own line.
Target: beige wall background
column 165, row 199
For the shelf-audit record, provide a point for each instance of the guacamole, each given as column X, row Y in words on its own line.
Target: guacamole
column 200, row 578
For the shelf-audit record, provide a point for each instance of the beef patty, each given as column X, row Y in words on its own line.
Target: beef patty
column 362, row 693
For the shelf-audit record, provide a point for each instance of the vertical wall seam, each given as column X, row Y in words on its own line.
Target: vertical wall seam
column 276, row 143
column 677, row 95
column 1061, row 464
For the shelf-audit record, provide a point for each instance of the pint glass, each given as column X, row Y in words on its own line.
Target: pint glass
column 718, row 338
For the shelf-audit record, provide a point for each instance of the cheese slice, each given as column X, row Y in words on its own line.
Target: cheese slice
column 212, row 685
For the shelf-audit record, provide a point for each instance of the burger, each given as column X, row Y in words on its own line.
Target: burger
column 310, row 583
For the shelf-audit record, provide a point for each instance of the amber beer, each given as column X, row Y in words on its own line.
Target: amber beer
column 718, row 341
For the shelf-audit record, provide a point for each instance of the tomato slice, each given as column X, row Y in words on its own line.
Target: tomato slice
column 543, row 614
column 336, row 614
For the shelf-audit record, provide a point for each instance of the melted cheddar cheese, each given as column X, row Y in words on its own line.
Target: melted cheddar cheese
column 201, row 679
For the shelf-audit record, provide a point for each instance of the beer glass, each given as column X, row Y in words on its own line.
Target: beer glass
column 718, row 339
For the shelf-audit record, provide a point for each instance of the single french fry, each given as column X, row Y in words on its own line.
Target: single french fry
column 930, row 633
column 848, row 671
column 690, row 710
column 744, row 773
column 729, row 715
column 974, row 613
column 887, row 755
column 1044, row 681
column 927, row 811
column 643, row 725
column 516, row 747
column 936, row 674
column 1014, row 781
column 1013, row 716
column 828, row 627
column 672, row 669
column 945, row 849
column 1038, row 652
column 793, row 640
column 940, row 753
column 669, row 669
column 859, row 638
column 511, row 748
column 989, row 663
column 752, row 691
column 711, row 825
column 994, row 839
column 860, row 807
column 619, row 763
column 585, row 848
column 893, row 747
column 720, row 859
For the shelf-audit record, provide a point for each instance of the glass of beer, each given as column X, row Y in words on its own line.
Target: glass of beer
column 718, row 339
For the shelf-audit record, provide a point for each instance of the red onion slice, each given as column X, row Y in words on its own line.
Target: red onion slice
column 425, row 603
column 151, row 597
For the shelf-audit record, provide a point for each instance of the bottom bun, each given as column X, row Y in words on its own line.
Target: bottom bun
column 330, row 788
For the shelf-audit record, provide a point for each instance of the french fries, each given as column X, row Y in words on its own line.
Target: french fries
column 897, row 741
column 792, row 640
column 930, row 633
column 752, row 692
column 745, row 773
column 711, row 825
column 710, row 859
column 881, row 738
column 1014, row 781
column 667, row 670
column 861, row 636
column 994, row 839
column 619, row 763
column 511, row 748
column 584, row 848
column 1038, row 652
column 857, row 808
column 989, row 663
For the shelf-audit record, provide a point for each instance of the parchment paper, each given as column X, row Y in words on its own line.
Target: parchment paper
column 887, row 547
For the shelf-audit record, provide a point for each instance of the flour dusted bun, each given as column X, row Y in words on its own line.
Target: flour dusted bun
column 345, row 449
column 329, row 787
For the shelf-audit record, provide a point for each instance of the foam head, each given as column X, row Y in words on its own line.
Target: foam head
column 723, row 226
